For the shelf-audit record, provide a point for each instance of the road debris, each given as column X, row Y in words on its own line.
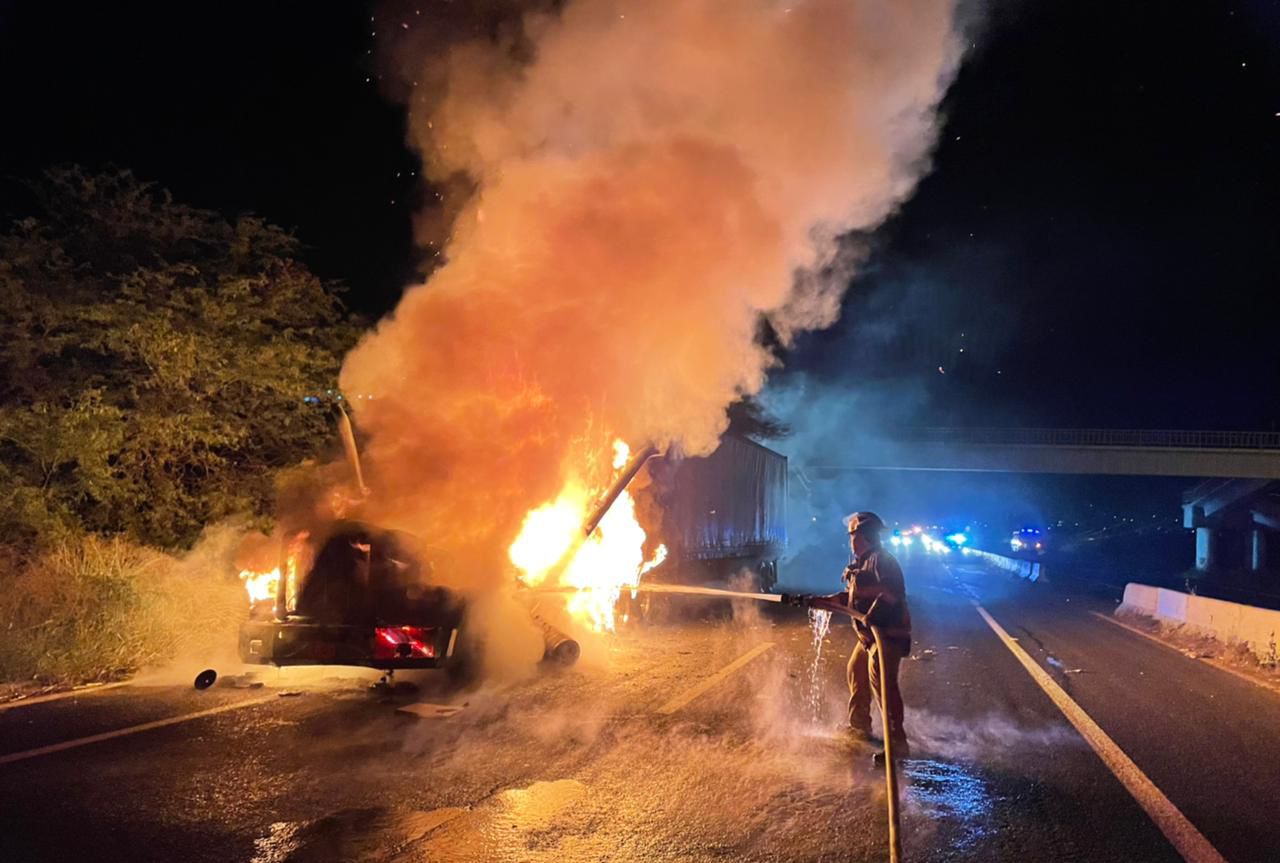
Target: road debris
column 243, row 681
column 426, row 710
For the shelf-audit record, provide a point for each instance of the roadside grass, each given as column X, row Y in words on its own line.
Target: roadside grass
column 89, row 609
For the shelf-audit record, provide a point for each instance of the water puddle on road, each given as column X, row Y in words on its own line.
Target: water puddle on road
column 495, row 829
column 947, row 791
column 354, row 835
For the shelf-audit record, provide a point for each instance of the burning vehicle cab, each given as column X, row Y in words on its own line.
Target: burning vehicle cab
column 353, row 595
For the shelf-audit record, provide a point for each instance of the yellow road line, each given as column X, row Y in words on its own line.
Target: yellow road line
column 685, row 697
column 1207, row 660
column 1180, row 832
column 133, row 729
column 58, row 696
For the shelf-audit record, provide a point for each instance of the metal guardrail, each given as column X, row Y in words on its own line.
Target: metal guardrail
column 1170, row 438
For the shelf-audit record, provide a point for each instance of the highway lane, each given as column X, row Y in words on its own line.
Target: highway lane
column 1205, row 738
column 633, row 756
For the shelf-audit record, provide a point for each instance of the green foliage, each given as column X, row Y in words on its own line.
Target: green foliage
column 153, row 362
column 88, row 609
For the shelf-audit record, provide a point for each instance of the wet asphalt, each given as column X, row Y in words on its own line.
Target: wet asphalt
column 611, row 761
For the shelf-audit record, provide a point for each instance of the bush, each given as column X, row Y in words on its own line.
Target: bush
column 91, row 609
column 158, row 363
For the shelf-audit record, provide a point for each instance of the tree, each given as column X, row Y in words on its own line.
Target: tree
column 154, row 361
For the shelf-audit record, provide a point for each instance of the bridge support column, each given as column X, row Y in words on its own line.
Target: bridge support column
column 1204, row 548
column 1258, row 549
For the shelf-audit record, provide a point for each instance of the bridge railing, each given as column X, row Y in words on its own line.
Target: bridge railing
column 1171, row 438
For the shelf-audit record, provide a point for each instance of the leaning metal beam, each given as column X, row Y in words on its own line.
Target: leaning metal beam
column 1105, row 460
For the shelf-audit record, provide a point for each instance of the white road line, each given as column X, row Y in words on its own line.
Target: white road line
column 1208, row 660
column 133, row 729
column 1180, row 832
column 685, row 697
column 58, row 696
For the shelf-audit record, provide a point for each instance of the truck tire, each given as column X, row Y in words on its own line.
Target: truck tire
column 768, row 575
column 654, row 608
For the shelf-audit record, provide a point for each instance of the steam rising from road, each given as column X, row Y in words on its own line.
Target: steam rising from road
column 650, row 182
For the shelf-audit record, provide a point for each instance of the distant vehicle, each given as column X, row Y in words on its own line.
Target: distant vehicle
column 1028, row 540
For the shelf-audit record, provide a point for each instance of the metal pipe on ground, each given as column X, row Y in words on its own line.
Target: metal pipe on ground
column 558, row 647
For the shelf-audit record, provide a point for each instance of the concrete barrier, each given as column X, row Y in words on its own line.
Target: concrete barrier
column 1028, row 569
column 1257, row 628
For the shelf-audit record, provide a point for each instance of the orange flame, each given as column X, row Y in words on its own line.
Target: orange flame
column 262, row 585
column 551, row 549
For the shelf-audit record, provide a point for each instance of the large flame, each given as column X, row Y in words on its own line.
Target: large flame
column 551, row 549
column 262, row 585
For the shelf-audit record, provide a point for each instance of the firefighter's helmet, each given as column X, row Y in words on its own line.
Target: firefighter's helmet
column 865, row 523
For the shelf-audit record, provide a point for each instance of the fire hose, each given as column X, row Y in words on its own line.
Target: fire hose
column 890, row 766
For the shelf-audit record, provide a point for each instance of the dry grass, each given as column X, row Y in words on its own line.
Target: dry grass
column 91, row 609
column 1198, row 644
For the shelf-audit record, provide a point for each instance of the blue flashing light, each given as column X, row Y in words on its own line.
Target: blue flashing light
column 957, row 539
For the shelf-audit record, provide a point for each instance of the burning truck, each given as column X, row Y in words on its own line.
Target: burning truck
column 360, row 595
column 352, row 595
column 357, row 594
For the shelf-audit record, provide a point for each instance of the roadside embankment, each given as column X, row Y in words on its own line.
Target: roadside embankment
column 1227, row 622
column 88, row 609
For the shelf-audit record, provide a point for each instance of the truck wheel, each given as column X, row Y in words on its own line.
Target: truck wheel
column 768, row 575
column 653, row 608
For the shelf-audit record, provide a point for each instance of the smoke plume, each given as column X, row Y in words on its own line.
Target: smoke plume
column 649, row 182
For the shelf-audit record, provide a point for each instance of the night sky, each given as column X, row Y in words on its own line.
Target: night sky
column 1099, row 234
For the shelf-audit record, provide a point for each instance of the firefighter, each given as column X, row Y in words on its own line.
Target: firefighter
column 876, row 596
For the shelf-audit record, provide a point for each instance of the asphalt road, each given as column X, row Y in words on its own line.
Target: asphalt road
column 707, row 740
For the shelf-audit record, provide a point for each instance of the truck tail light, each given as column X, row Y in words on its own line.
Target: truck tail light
column 403, row 642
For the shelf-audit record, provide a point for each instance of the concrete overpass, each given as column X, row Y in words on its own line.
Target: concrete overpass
column 1240, row 470
column 1215, row 505
column 1129, row 452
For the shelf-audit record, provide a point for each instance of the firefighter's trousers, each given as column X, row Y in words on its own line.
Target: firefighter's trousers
column 864, row 683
